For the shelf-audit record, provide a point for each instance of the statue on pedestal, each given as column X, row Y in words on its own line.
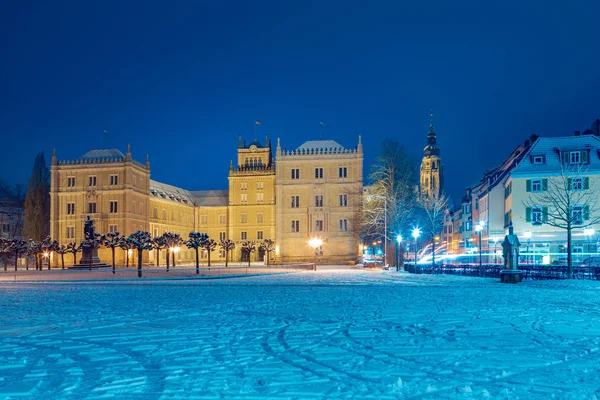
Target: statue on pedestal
column 510, row 252
column 88, row 229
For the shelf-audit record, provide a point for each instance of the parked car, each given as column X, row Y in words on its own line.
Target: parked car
column 591, row 262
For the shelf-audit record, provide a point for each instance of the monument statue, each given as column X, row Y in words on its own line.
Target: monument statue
column 88, row 229
column 510, row 252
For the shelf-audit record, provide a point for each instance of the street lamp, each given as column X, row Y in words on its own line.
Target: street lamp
column 495, row 239
column 527, row 235
column 398, row 241
column 174, row 250
column 415, row 234
column 384, row 226
column 478, row 229
column 589, row 232
column 315, row 243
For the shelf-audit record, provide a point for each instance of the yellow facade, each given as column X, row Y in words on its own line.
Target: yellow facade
column 118, row 194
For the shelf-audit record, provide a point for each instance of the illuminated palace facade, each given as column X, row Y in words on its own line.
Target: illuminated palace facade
column 291, row 196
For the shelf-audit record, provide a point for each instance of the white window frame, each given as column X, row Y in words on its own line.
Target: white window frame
column 260, row 197
column 244, row 197
column 260, row 217
column 577, row 184
column 114, row 180
column 538, row 159
column 319, row 173
column 244, row 235
column 537, row 186
column 113, row 207
column 92, row 180
column 244, row 218
column 575, row 211
column 319, row 225
column 260, row 185
column 537, row 215
column 319, row 200
column 259, row 235
column 575, row 157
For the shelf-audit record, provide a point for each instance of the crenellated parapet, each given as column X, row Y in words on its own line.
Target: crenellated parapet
column 318, row 151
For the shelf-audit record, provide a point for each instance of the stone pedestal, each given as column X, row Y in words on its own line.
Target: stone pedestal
column 89, row 256
column 511, row 276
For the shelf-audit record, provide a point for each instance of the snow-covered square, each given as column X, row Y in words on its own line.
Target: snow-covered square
column 328, row 334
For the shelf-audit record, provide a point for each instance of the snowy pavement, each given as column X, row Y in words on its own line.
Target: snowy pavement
column 349, row 334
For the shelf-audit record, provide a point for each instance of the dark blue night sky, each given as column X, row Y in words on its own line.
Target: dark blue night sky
column 181, row 80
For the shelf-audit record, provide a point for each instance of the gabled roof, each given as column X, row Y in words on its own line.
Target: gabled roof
column 551, row 147
column 320, row 144
column 102, row 153
column 211, row 198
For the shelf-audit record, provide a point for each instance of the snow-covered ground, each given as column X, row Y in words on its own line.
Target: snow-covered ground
column 351, row 334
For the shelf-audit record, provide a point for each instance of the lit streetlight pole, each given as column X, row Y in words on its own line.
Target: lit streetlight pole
column 527, row 236
column 495, row 239
column 415, row 234
column 384, row 226
column 315, row 243
column 398, row 241
column 478, row 229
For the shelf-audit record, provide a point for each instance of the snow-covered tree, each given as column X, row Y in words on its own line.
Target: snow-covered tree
column 140, row 241
column 209, row 245
column 158, row 244
column 248, row 248
column 47, row 247
column 173, row 241
column 111, row 241
column 195, row 241
column 268, row 245
column 73, row 248
column 61, row 249
column 125, row 245
column 227, row 245
column 18, row 248
column 5, row 247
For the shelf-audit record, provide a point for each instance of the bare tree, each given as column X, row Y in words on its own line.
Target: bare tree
column 268, row 245
column 227, row 245
column 566, row 201
column 195, row 241
column 140, row 241
column 392, row 189
column 434, row 209
column 37, row 202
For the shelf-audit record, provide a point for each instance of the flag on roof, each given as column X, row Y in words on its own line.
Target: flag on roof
column 257, row 122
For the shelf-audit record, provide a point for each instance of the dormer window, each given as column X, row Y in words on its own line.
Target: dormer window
column 538, row 159
column 574, row 157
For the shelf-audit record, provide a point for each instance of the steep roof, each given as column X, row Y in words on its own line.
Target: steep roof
column 551, row 147
column 170, row 193
column 320, row 144
column 211, row 198
column 102, row 153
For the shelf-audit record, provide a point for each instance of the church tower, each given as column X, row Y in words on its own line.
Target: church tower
column 432, row 173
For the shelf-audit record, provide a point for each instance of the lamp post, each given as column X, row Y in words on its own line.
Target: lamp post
column 478, row 229
column 589, row 232
column 384, row 226
column 398, row 241
column 495, row 239
column 415, row 234
column 527, row 236
column 315, row 243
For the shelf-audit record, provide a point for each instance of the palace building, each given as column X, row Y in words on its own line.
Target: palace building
column 311, row 191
